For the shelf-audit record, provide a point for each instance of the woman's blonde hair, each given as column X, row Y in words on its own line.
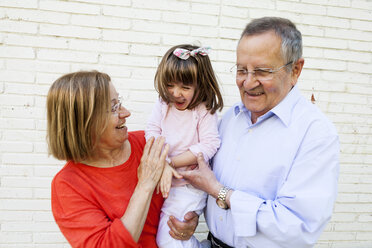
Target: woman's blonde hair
column 196, row 70
column 78, row 107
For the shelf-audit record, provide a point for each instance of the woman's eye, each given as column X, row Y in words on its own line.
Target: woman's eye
column 113, row 108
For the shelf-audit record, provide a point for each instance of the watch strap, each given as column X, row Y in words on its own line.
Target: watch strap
column 223, row 193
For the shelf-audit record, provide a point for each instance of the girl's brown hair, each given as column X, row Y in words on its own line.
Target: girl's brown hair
column 77, row 113
column 196, row 70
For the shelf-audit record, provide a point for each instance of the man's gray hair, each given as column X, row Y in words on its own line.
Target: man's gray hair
column 291, row 48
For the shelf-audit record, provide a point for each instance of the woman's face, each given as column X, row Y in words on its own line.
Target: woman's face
column 116, row 132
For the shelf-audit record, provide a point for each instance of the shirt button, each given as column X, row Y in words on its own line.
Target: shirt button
column 221, row 218
column 250, row 130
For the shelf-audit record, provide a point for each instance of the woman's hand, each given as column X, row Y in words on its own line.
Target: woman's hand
column 148, row 173
column 152, row 163
column 183, row 230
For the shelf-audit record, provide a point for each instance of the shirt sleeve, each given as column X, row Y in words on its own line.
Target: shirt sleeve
column 83, row 223
column 303, row 205
column 209, row 140
column 153, row 127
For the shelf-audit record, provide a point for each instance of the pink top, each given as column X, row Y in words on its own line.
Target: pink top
column 195, row 130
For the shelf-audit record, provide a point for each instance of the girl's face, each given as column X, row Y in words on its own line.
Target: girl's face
column 181, row 95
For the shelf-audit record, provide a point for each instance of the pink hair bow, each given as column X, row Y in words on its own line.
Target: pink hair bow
column 185, row 54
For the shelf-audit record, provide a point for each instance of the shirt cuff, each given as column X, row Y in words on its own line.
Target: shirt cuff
column 244, row 208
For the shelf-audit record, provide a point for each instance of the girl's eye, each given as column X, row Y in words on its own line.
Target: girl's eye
column 169, row 85
column 185, row 87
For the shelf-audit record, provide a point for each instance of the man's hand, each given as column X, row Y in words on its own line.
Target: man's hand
column 203, row 178
column 183, row 230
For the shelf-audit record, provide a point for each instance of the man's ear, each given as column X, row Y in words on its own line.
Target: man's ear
column 296, row 70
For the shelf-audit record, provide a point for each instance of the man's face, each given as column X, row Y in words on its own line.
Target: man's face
column 262, row 51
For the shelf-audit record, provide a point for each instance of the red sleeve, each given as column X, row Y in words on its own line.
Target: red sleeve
column 82, row 222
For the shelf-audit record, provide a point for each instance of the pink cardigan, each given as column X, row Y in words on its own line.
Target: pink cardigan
column 195, row 130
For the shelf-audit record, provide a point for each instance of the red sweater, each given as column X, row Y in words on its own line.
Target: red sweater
column 88, row 202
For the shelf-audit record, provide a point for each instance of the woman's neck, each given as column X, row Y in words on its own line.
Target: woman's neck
column 105, row 158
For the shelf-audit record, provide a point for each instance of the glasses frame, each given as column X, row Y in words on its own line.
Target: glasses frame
column 234, row 70
column 117, row 106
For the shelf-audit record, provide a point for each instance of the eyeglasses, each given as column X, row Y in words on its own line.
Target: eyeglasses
column 115, row 109
column 260, row 74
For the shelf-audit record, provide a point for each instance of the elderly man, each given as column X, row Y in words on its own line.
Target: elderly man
column 274, row 178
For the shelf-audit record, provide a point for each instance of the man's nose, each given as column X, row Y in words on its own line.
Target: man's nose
column 250, row 81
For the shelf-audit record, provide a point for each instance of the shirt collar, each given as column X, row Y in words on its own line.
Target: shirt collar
column 283, row 110
column 239, row 107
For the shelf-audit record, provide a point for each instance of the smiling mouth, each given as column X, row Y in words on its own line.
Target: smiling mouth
column 121, row 126
column 255, row 93
column 179, row 103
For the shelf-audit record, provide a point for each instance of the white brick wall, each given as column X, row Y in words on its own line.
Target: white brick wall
column 43, row 39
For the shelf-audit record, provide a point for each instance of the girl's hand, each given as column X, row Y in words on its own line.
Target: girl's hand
column 152, row 163
column 166, row 179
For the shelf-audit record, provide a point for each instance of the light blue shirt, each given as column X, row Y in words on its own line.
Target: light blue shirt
column 283, row 170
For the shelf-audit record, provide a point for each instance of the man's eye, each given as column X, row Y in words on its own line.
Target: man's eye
column 262, row 72
column 241, row 72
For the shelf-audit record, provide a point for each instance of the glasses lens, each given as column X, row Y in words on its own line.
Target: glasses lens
column 120, row 101
column 263, row 75
column 117, row 106
column 114, row 108
column 258, row 74
column 241, row 74
column 238, row 73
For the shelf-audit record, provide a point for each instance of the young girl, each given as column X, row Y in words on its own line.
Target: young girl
column 185, row 115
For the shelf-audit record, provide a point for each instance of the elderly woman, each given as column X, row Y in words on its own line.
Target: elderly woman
column 104, row 195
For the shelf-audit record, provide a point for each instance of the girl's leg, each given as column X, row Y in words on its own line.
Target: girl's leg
column 181, row 200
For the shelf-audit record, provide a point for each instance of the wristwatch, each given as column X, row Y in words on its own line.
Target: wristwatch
column 221, row 198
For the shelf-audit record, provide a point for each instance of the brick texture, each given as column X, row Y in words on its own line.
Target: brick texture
column 43, row 39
